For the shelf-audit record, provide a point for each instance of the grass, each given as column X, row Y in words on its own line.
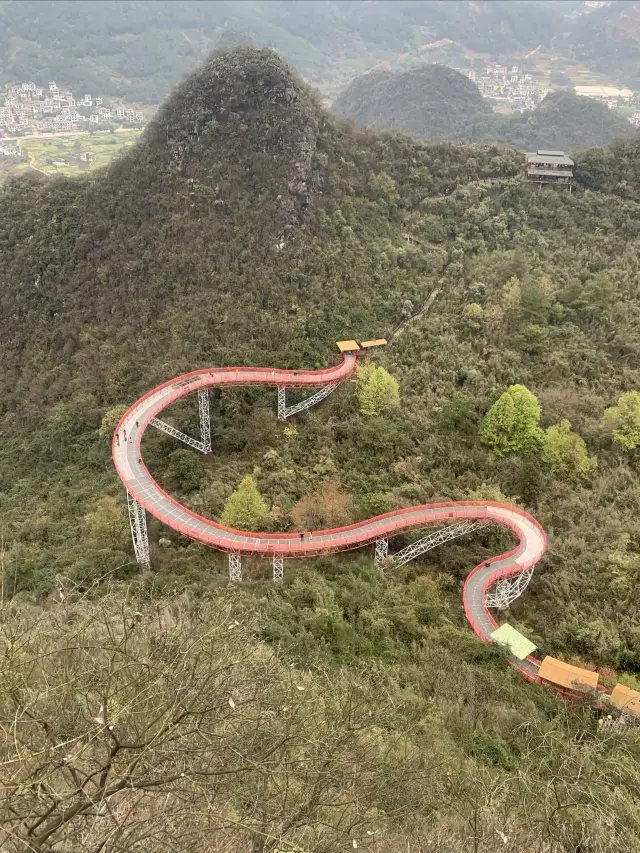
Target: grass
column 43, row 151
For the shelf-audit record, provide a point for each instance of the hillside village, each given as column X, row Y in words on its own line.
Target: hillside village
column 27, row 107
column 521, row 92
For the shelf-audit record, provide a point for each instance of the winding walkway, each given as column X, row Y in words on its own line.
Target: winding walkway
column 143, row 488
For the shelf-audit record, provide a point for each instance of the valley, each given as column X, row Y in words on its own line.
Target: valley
column 150, row 704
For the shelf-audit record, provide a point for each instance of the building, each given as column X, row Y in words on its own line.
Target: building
column 549, row 167
column 52, row 86
column 130, row 115
column 139, row 116
column 119, row 112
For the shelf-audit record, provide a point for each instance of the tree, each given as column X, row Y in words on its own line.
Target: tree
column 512, row 424
column 564, row 451
column 623, row 420
column 110, row 420
column 107, row 523
column 245, row 508
column 329, row 507
column 378, row 392
column 121, row 721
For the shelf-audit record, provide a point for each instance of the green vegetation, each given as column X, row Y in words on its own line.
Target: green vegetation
column 122, row 48
column 428, row 102
column 512, row 424
column 378, row 391
column 248, row 226
column 245, row 508
column 607, row 41
column 565, row 451
column 434, row 102
column 623, row 420
column 44, row 152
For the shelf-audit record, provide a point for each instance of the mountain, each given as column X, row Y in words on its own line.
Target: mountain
column 434, row 102
column 429, row 102
column 250, row 226
column 139, row 50
column 607, row 40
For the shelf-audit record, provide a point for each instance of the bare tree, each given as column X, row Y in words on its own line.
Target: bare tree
column 171, row 728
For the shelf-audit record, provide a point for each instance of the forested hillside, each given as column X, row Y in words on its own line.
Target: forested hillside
column 434, row 102
column 606, row 40
column 343, row 709
column 428, row 102
column 141, row 50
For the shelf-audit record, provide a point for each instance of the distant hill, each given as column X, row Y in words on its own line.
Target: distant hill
column 140, row 50
column 434, row 102
column 429, row 102
column 564, row 120
column 606, row 40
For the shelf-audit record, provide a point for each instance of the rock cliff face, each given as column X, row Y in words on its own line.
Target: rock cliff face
column 255, row 102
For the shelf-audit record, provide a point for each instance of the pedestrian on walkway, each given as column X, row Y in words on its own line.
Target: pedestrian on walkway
column 137, row 425
column 117, row 439
column 302, row 537
column 125, row 434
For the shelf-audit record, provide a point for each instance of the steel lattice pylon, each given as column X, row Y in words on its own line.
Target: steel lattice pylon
column 278, row 567
column 508, row 589
column 205, row 421
column 444, row 534
column 235, row 568
column 285, row 411
column 282, row 403
column 138, row 521
column 382, row 550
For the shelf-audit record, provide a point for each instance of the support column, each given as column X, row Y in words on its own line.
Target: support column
column 278, row 567
column 138, row 522
column 282, row 403
column 382, row 551
column 235, row 568
column 205, row 422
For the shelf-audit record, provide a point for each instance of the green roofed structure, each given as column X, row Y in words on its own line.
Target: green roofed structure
column 519, row 646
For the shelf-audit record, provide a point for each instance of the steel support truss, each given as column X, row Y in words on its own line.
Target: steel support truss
column 138, row 521
column 204, row 445
column 235, row 568
column 285, row 411
column 507, row 590
column 205, row 420
column 382, row 551
column 444, row 534
column 278, row 567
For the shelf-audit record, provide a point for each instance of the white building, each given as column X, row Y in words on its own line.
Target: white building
column 119, row 112
column 94, row 118
column 52, row 86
